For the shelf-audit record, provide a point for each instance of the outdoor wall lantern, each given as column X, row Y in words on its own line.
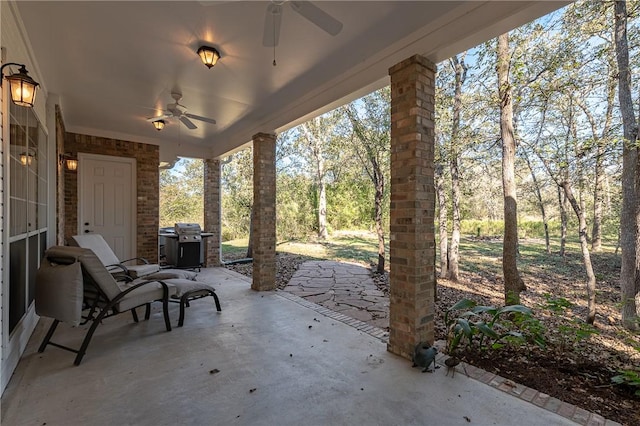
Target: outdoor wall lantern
column 23, row 88
column 26, row 158
column 69, row 162
column 209, row 55
column 159, row 124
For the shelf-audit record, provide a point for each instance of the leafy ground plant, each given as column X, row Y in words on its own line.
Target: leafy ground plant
column 575, row 331
column 486, row 327
column 629, row 378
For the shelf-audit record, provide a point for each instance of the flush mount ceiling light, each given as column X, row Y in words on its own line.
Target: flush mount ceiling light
column 22, row 87
column 209, row 55
column 159, row 124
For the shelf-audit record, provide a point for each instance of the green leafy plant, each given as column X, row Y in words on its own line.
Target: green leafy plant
column 628, row 378
column 556, row 304
column 576, row 330
column 472, row 324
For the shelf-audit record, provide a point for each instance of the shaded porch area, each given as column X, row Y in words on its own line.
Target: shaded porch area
column 267, row 358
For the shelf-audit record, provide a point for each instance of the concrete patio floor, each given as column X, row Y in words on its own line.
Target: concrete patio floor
column 269, row 358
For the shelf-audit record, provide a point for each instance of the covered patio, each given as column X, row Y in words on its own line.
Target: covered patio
column 266, row 359
column 106, row 69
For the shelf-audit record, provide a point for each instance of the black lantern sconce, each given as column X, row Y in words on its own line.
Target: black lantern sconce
column 69, row 162
column 22, row 87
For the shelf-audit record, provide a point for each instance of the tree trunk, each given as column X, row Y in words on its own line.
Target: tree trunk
column 454, row 248
column 442, row 221
column 379, row 198
column 586, row 257
column 322, row 204
column 545, row 220
column 250, row 245
column 452, row 271
column 563, row 222
column 596, row 230
column 628, row 217
column 513, row 283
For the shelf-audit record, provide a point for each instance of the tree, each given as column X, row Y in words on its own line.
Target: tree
column 237, row 195
column 513, row 283
column 371, row 125
column 630, row 215
column 181, row 193
column 315, row 141
column 460, row 70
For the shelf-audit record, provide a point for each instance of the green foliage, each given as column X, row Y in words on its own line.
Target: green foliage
column 237, row 195
column 556, row 304
column 629, row 378
column 472, row 324
column 295, row 208
column 350, row 204
column 576, row 330
column 482, row 228
column 181, row 193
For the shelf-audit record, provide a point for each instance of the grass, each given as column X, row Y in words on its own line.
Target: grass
column 480, row 256
column 347, row 246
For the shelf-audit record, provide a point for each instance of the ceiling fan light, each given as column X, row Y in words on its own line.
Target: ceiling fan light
column 159, row 124
column 209, row 55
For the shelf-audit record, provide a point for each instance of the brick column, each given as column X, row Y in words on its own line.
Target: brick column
column 412, row 244
column 212, row 213
column 263, row 225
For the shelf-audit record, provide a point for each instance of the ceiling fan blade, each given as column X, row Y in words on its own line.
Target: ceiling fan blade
column 198, row 117
column 272, row 20
column 318, row 16
column 188, row 122
column 160, row 117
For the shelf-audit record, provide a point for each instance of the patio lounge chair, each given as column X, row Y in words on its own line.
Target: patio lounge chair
column 187, row 288
column 109, row 259
column 73, row 279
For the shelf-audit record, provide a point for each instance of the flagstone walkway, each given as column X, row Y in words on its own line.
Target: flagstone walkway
column 342, row 287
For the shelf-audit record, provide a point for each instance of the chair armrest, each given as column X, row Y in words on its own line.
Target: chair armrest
column 142, row 259
column 117, row 265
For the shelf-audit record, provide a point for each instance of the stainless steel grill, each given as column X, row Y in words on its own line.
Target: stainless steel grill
column 188, row 232
column 184, row 248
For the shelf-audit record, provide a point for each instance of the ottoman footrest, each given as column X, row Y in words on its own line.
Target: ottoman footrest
column 187, row 291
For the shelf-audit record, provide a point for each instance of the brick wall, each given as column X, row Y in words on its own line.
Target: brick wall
column 212, row 212
column 263, row 226
column 412, row 244
column 148, row 186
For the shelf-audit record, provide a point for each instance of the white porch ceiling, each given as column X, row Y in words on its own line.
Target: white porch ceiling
column 114, row 64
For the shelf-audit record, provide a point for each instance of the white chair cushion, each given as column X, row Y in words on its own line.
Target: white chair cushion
column 137, row 271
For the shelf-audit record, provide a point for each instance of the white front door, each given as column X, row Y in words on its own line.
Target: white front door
column 107, row 201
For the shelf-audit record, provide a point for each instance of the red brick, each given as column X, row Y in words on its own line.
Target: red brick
column 148, row 187
column 263, row 225
column 413, row 207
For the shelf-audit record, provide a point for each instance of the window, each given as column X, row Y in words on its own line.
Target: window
column 27, row 208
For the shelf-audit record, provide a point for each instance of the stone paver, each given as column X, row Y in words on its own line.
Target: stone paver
column 344, row 287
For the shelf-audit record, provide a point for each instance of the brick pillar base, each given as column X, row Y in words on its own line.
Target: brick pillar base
column 412, row 244
column 263, row 226
column 212, row 213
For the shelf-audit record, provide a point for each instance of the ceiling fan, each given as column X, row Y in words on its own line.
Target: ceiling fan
column 179, row 111
column 307, row 9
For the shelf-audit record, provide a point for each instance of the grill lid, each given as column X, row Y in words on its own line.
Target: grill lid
column 188, row 229
column 188, row 232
